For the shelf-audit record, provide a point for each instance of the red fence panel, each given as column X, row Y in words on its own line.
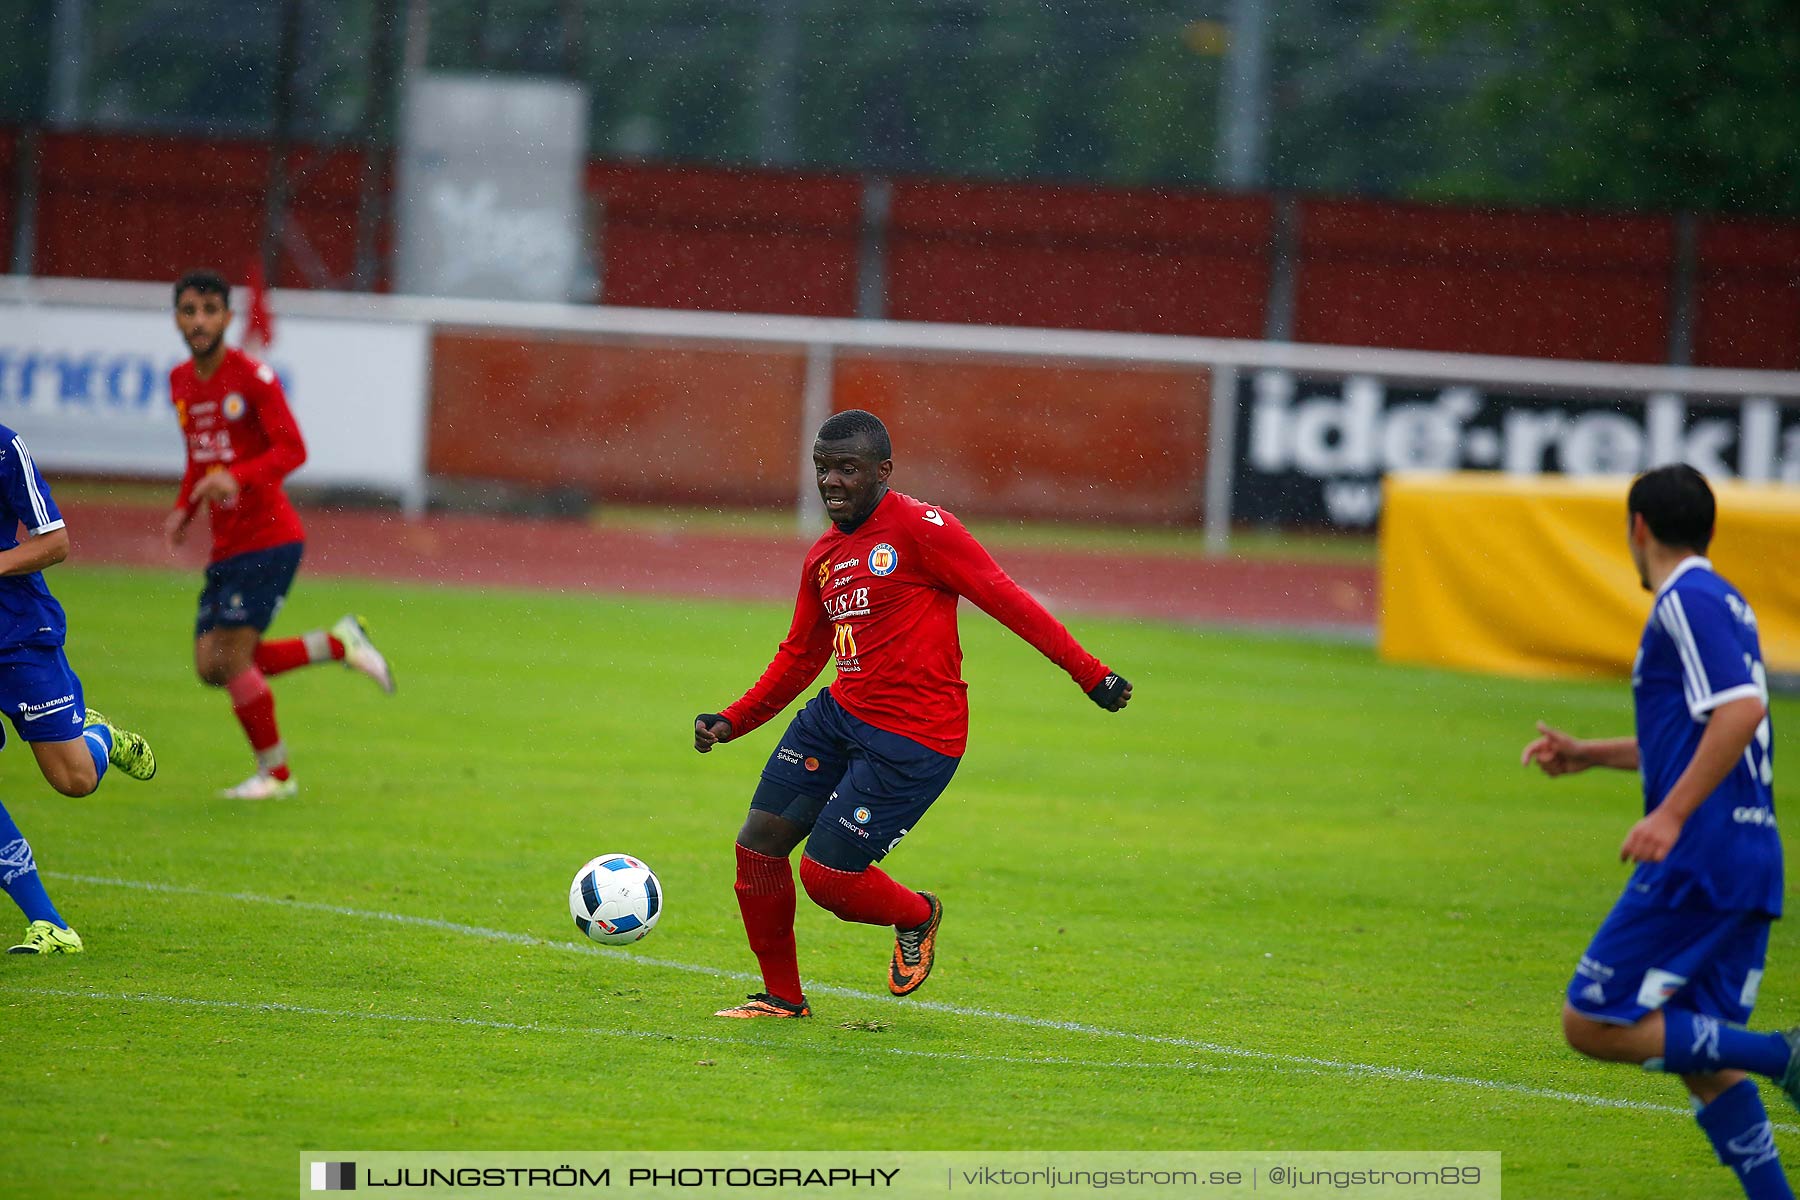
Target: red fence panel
column 665, row 424
column 1539, row 284
column 1747, row 311
column 727, row 241
column 629, row 420
column 1040, row 441
column 1079, row 258
column 118, row 206
column 1560, row 285
column 322, row 218
column 126, row 206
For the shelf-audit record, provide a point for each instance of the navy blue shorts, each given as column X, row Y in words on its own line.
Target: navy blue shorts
column 40, row 694
column 247, row 589
column 861, row 787
column 1644, row 956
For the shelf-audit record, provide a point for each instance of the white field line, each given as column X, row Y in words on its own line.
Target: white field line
column 836, row 1050
column 1286, row 1061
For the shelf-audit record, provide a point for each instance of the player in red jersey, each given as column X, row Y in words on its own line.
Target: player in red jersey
column 863, row 760
column 241, row 443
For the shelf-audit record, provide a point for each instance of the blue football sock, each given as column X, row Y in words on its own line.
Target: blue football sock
column 1738, row 1127
column 99, row 744
column 1695, row 1044
column 19, row 874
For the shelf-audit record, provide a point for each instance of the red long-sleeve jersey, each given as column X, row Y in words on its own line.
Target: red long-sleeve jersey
column 238, row 420
column 882, row 599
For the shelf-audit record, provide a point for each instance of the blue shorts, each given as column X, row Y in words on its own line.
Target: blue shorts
column 247, row 589
column 41, row 695
column 861, row 787
column 1644, row 956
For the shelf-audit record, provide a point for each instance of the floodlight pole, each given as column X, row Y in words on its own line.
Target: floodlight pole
column 68, row 61
column 378, row 105
column 777, row 61
column 418, row 34
column 1244, row 101
column 276, row 200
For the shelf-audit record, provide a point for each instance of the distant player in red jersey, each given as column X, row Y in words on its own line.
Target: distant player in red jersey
column 862, row 761
column 241, row 443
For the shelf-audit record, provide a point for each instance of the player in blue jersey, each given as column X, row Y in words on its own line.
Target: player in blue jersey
column 1672, row 974
column 39, row 692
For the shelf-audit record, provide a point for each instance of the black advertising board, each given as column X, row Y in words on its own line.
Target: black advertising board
column 1311, row 450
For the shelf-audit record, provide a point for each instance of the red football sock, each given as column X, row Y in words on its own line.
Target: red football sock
column 870, row 895
column 254, row 705
column 765, row 896
column 272, row 658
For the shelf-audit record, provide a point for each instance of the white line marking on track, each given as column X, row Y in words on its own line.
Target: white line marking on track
column 1290, row 1061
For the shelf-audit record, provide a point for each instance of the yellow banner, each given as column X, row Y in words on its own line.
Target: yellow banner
column 1531, row 576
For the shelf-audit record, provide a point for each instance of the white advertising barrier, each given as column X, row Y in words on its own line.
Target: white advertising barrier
column 87, row 386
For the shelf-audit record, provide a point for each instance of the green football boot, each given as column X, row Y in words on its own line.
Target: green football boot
column 43, row 937
column 130, row 752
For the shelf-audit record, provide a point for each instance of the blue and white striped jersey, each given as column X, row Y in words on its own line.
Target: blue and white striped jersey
column 1700, row 650
column 29, row 614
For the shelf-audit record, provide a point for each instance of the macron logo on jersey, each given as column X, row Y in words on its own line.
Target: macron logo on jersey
column 931, row 514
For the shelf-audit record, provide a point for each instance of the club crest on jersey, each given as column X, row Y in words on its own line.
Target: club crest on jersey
column 233, row 407
column 883, row 559
column 861, row 816
column 824, row 573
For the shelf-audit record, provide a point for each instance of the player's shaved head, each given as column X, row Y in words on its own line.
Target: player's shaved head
column 206, row 283
column 852, row 458
column 856, row 425
column 1677, row 504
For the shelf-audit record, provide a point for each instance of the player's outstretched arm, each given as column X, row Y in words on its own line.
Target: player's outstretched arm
column 1557, row 753
column 710, row 729
column 797, row 662
column 951, row 552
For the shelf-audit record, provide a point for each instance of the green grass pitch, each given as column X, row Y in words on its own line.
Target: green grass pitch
column 1293, row 899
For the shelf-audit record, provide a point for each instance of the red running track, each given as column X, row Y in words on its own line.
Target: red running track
column 476, row 551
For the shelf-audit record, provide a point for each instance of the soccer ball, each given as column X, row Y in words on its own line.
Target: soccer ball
column 615, row 899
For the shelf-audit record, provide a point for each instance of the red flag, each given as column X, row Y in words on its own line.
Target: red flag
column 259, row 322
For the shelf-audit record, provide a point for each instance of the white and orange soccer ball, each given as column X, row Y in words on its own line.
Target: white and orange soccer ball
column 615, row 899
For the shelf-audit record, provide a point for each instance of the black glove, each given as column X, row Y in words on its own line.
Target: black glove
column 1108, row 691
column 706, row 721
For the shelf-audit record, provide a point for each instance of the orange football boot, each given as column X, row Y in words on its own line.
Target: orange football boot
column 762, row 1004
column 914, row 950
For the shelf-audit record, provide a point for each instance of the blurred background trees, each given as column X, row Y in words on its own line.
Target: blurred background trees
column 1660, row 104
